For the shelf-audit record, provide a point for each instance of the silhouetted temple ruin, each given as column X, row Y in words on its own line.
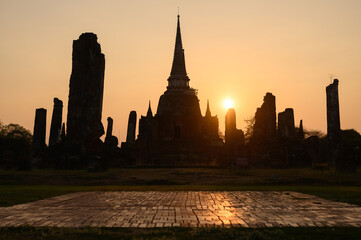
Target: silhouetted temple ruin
column 39, row 131
column 234, row 138
column 333, row 113
column 210, row 125
column 56, row 120
column 178, row 115
column 178, row 129
column 265, row 120
column 109, row 128
column 146, row 126
column 84, row 126
column 132, row 123
column 110, row 140
column 176, row 134
column 230, row 126
column 63, row 133
column 301, row 133
column 110, row 148
column 286, row 124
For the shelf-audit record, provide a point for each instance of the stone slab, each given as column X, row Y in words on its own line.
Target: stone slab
column 183, row 209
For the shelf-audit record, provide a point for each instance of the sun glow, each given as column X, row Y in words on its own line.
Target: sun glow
column 228, row 103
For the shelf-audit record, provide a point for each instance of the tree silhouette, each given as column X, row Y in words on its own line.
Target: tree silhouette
column 15, row 146
column 249, row 128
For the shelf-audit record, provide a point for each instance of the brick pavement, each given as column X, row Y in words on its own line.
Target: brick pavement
column 182, row 208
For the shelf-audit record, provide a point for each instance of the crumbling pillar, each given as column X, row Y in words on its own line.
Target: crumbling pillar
column 286, row 124
column 109, row 129
column 234, row 138
column 269, row 106
column 62, row 136
column 333, row 114
column 131, row 127
column 111, row 142
column 84, row 126
column 39, row 131
column 301, row 134
column 265, row 120
column 56, row 120
column 230, row 126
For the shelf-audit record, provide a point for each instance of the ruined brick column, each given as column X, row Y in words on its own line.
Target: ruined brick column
column 56, row 120
column 286, row 123
column 62, row 135
column 301, row 134
column 265, row 120
column 131, row 127
column 39, row 131
column 230, row 126
column 109, row 135
column 109, row 127
column 84, row 126
column 270, row 114
column 333, row 113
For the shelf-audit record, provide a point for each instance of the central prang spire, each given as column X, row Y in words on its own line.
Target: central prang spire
column 208, row 111
column 178, row 77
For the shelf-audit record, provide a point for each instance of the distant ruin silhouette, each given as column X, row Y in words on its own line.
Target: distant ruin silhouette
column 56, row 120
column 39, row 132
column 333, row 114
column 177, row 134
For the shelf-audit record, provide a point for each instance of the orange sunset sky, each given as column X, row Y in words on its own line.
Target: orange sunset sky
column 237, row 49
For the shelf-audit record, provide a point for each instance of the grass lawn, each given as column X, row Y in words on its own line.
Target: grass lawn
column 25, row 186
column 180, row 176
column 25, row 233
column 10, row 195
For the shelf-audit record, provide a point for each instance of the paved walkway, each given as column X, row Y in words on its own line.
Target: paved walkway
column 182, row 208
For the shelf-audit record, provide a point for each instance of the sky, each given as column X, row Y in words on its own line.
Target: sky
column 237, row 49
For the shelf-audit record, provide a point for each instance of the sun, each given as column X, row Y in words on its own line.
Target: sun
column 228, row 103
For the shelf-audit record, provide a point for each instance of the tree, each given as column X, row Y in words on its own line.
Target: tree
column 351, row 136
column 15, row 146
column 348, row 154
column 15, row 132
column 318, row 133
column 249, row 128
column 195, row 91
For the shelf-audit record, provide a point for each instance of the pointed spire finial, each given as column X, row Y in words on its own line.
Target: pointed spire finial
column 208, row 111
column 149, row 113
column 178, row 76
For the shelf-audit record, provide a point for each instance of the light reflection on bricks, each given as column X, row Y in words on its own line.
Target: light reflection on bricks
column 182, row 209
